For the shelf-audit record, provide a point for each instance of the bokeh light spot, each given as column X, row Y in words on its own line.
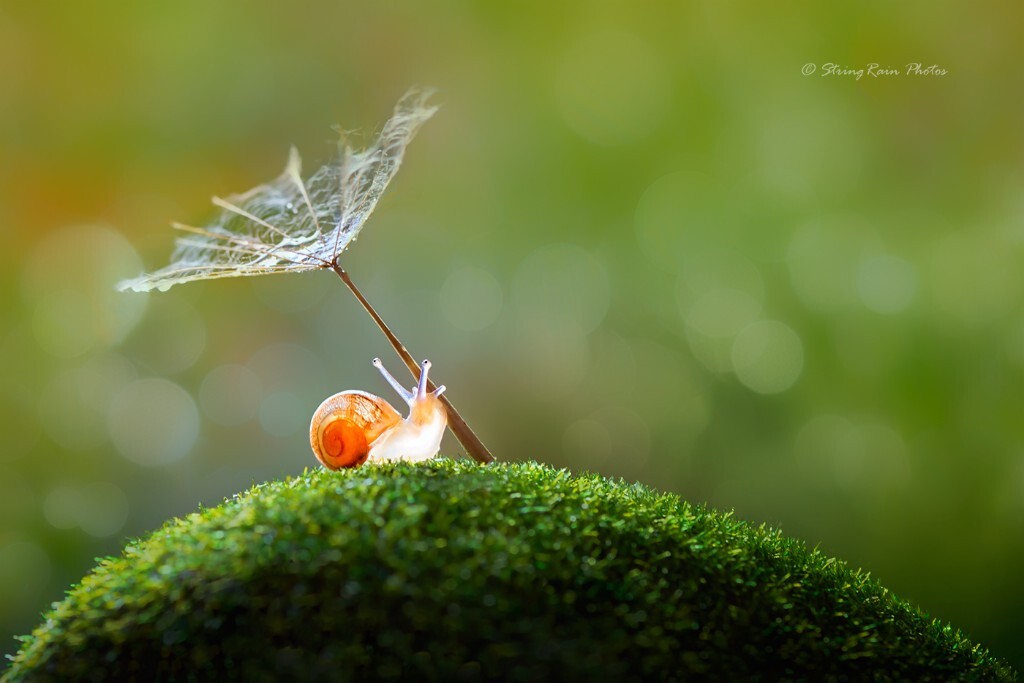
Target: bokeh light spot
column 106, row 509
column 714, row 353
column 73, row 403
column 714, row 268
column 153, row 421
column 886, row 283
column 69, row 278
column 100, row 509
column 62, row 506
column 808, row 147
column 722, row 312
column 719, row 292
column 768, row 356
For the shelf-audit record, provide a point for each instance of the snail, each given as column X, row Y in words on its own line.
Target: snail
column 352, row 427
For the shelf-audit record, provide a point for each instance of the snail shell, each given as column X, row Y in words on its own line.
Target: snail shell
column 352, row 427
column 345, row 425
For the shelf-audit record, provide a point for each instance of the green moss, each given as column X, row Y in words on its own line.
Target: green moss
column 452, row 571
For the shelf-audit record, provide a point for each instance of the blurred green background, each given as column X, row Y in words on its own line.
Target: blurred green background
column 634, row 241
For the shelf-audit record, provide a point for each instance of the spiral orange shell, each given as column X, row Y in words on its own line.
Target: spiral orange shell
column 345, row 426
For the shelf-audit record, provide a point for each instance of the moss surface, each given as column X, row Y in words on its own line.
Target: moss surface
column 452, row 571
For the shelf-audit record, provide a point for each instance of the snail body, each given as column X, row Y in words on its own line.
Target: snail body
column 352, row 427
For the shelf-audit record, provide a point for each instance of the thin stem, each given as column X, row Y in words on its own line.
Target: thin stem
column 470, row 441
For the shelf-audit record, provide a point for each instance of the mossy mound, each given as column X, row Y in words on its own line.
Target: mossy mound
column 452, row 571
